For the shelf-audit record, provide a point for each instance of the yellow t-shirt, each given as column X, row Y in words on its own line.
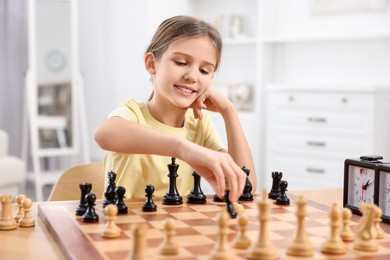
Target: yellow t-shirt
column 135, row 171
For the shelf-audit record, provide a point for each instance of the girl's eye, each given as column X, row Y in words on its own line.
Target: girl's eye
column 180, row 63
column 205, row 72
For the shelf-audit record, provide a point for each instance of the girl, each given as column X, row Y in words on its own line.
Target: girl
column 140, row 138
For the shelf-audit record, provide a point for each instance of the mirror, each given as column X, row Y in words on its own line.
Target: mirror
column 54, row 73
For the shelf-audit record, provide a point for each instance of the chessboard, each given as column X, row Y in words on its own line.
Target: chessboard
column 196, row 230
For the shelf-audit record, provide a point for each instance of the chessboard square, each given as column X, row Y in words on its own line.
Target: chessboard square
column 184, row 254
column 99, row 237
column 175, row 209
column 284, row 217
column 159, row 211
column 186, row 215
column 251, row 212
column 155, row 217
column 112, row 245
column 92, row 228
column 206, row 208
column 318, row 231
column 160, row 224
column 186, row 231
column 206, row 230
column 129, row 219
column 200, row 250
column 200, row 222
column 279, row 210
column 194, row 240
column 279, row 225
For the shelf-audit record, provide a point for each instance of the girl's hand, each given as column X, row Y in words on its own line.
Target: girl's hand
column 211, row 100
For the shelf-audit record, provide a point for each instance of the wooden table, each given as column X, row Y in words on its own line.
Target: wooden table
column 37, row 242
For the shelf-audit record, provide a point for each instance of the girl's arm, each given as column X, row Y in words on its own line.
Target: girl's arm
column 238, row 146
column 123, row 136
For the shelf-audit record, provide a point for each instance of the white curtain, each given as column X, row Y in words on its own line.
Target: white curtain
column 13, row 67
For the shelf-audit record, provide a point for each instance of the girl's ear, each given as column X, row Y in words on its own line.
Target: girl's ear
column 149, row 61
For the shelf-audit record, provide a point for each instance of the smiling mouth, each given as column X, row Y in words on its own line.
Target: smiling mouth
column 184, row 89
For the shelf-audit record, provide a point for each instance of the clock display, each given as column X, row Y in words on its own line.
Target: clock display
column 384, row 192
column 361, row 185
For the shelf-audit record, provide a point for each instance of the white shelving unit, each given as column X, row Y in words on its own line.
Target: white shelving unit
column 312, row 59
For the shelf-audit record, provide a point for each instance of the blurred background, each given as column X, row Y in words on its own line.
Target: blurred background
column 311, row 79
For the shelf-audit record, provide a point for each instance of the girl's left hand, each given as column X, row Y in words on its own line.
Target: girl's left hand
column 211, row 100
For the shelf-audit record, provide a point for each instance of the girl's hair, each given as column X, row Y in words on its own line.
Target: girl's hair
column 181, row 26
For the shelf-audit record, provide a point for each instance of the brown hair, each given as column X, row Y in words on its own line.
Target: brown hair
column 181, row 26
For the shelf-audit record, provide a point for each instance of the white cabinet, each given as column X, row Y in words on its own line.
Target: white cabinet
column 311, row 133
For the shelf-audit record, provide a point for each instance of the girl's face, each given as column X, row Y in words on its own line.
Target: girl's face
column 184, row 71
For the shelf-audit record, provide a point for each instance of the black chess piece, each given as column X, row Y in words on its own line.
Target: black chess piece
column 110, row 194
column 275, row 190
column 172, row 197
column 282, row 199
column 90, row 215
column 196, row 196
column 229, row 205
column 247, row 194
column 120, row 192
column 218, row 199
column 84, row 190
column 149, row 205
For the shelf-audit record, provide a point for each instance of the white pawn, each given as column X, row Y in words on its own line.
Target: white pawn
column 27, row 220
column 7, row 222
column 19, row 200
column 221, row 249
column 346, row 232
column 334, row 244
column 139, row 243
column 380, row 234
column 168, row 246
column 242, row 241
column 111, row 229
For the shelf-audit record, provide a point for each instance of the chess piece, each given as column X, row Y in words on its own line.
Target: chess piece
column 120, row 193
column 139, row 243
column 84, row 190
column 221, row 249
column 282, row 199
column 334, row 244
column 111, row 229
column 229, row 205
column 242, row 240
column 19, row 201
column 196, row 196
column 346, row 232
column 238, row 208
column 275, row 190
column 365, row 241
column 172, row 197
column 149, row 205
column 218, row 199
column 247, row 194
column 110, row 195
column 7, row 221
column 90, row 215
column 300, row 245
column 380, row 234
column 264, row 249
column 168, row 246
column 27, row 220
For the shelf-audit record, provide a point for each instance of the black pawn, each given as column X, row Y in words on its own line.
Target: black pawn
column 172, row 197
column 110, row 194
column 282, row 199
column 275, row 190
column 229, row 205
column 247, row 194
column 84, row 190
column 196, row 196
column 149, row 205
column 120, row 192
column 90, row 215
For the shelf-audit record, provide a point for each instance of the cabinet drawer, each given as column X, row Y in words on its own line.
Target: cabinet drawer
column 358, row 121
column 301, row 173
column 320, row 144
column 334, row 100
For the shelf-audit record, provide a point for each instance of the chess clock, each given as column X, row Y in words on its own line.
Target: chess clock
column 361, row 181
column 384, row 190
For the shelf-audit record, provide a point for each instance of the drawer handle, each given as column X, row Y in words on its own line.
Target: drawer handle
column 315, row 170
column 316, row 143
column 316, row 119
